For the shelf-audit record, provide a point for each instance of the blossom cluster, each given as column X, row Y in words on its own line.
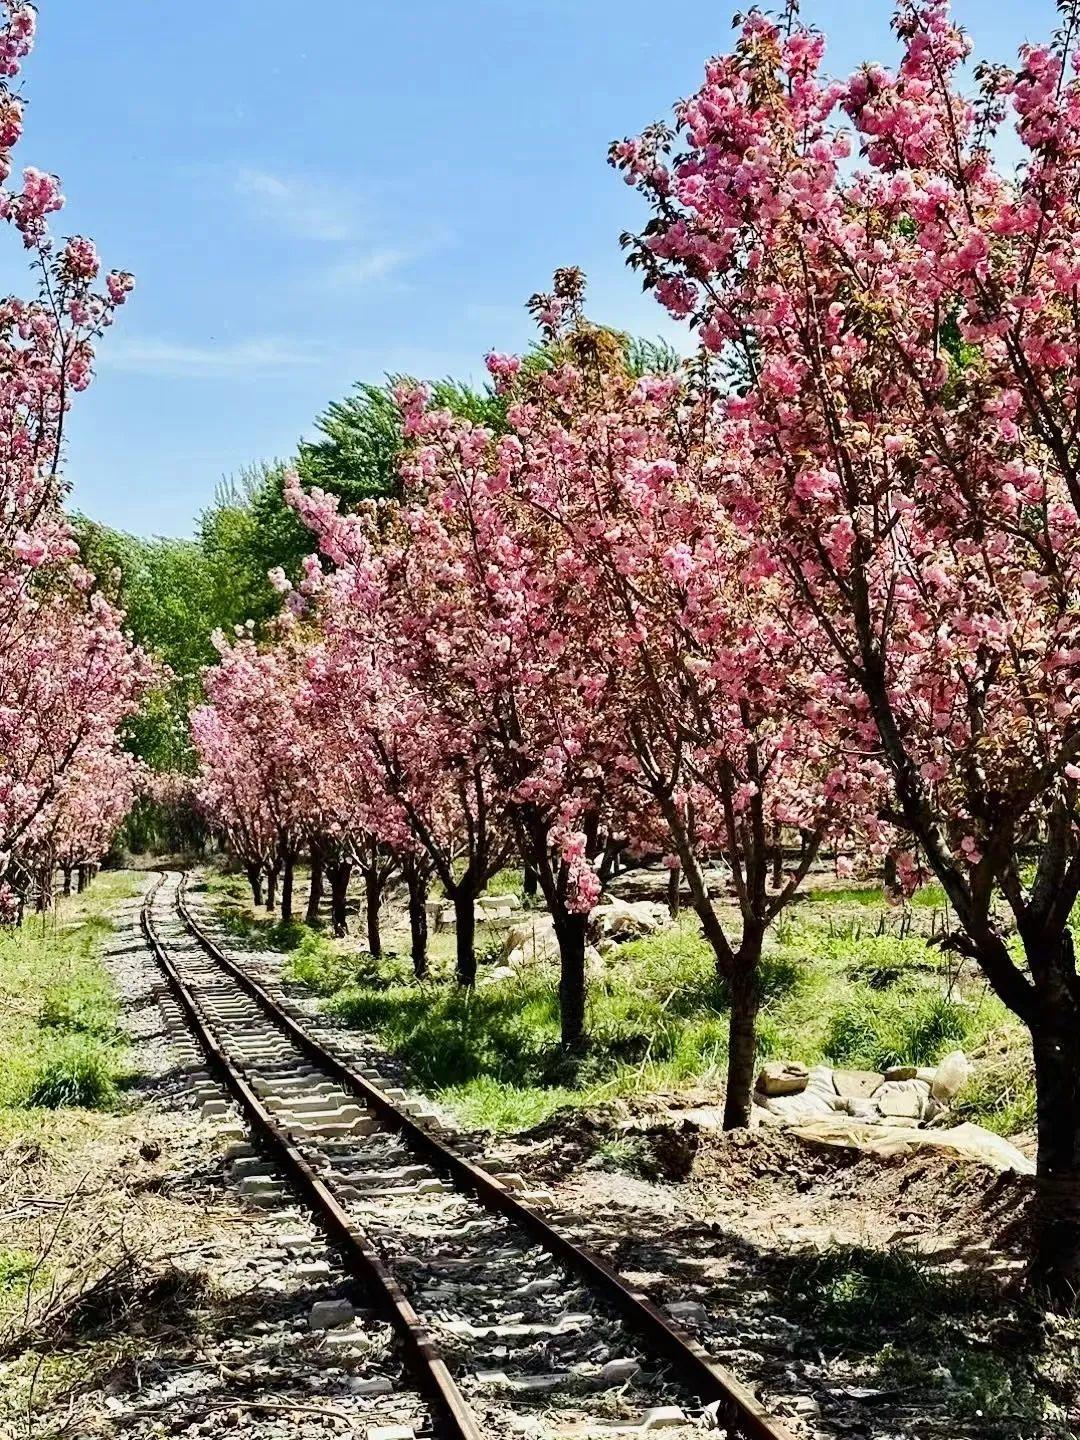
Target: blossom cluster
column 69, row 676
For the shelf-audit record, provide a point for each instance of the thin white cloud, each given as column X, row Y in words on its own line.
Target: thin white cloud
column 309, row 208
column 148, row 355
column 358, row 270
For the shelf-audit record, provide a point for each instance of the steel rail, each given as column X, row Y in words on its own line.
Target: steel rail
column 738, row 1408
column 358, row 1252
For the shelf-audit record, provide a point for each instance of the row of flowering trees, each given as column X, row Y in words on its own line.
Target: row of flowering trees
column 68, row 675
column 560, row 638
column 839, row 592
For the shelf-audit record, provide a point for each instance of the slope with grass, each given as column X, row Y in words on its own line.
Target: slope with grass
column 60, row 1040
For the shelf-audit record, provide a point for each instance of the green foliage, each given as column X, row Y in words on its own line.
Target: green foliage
column 361, row 445
column 506, row 882
column 15, row 1267
column 84, row 1005
column 652, row 357
column 658, row 1016
column 870, row 895
column 248, row 531
column 326, row 967
column 627, row 1155
column 1001, row 1093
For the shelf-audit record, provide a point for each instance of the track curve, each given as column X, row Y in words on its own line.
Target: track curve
column 214, row 1014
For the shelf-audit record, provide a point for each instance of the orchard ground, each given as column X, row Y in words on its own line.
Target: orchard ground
column 901, row 1273
column 848, row 979
column 889, row 1284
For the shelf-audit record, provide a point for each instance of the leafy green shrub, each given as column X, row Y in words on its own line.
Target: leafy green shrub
column 325, row 968
column 74, row 1070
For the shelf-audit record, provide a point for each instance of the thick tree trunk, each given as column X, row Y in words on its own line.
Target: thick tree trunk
column 338, row 875
column 271, row 888
column 287, row 869
column 674, row 882
column 417, row 882
column 465, row 926
column 530, row 882
column 255, row 880
column 570, row 932
column 742, row 1044
column 373, row 903
column 84, row 878
column 67, row 879
column 315, row 894
column 1055, row 1268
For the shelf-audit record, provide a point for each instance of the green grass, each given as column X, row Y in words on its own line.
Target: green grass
column 658, row 1017
column 60, row 1040
column 847, row 895
column 15, row 1266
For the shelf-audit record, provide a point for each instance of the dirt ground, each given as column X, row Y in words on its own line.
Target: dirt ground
column 890, row 1288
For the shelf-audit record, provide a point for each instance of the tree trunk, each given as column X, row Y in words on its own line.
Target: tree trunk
column 287, row 886
column 570, row 932
column 255, row 880
column 777, row 857
column 674, row 881
column 373, row 902
column 84, row 878
column 338, row 875
column 530, row 882
column 742, row 1044
column 271, row 888
column 465, row 926
column 315, row 894
column 67, row 879
column 417, row 881
column 1055, row 1268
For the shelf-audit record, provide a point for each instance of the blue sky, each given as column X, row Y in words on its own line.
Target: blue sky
column 311, row 195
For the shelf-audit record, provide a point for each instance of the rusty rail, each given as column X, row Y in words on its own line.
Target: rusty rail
column 738, row 1408
column 359, row 1254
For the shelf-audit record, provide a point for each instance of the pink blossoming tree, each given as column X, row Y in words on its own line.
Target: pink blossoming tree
column 906, row 327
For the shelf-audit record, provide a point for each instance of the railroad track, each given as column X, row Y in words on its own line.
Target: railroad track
column 505, row 1324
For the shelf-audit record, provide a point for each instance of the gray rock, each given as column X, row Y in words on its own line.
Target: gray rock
column 782, row 1077
column 329, row 1314
column 618, row 1372
column 374, row 1385
column 856, row 1084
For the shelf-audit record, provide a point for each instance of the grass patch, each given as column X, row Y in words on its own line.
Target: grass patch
column 847, row 895
column 905, row 1026
column 60, row 1038
column 15, row 1267
column 851, row 1288
column 940, row 1324
column 658, row 1016
column 1001, row 1093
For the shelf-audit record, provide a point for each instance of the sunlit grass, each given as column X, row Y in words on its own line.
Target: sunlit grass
column 60, row 1038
